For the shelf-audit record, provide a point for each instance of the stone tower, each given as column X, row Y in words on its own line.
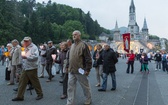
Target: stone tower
column 117, row 35
column 133, row 27
column 145, row 34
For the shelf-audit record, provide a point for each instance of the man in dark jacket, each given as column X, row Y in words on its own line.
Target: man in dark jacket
column 109, row 60
column 51, row 50
column 158, row 59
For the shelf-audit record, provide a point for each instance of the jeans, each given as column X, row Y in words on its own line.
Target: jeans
column 130, row 63
column 113, row 77
column 158, row 64
column 164, row 64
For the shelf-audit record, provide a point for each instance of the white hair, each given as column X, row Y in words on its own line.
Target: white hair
column 77, row 31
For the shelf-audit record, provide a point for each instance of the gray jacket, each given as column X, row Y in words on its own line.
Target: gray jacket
column 16, row 55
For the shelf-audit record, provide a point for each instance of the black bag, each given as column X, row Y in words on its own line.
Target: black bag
column 95, row 64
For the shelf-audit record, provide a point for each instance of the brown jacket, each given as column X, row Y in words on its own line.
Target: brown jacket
column 79, row 57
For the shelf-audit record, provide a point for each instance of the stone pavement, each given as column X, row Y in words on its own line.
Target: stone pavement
column 132, row 89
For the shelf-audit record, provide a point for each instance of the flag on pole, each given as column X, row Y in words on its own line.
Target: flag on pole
column 126, row 42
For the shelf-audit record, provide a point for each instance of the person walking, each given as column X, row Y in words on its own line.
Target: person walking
column 144, row 63
column 158, row 59
column 8, row 62
column 109, row 60
column 16, row 62
column 43, row 59
column 49, row 60
column 3, row 50
column 99, row 63
column 130, row 62
column 164, row 61
column 61, row 61
column 79, row 60
column 29, row 73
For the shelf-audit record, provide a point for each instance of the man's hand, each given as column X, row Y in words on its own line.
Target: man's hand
column 24, row 57
column 87, row 73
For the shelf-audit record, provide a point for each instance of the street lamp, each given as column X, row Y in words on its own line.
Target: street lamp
column 141, row 50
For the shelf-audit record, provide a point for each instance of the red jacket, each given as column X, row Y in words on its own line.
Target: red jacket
column 131, row 57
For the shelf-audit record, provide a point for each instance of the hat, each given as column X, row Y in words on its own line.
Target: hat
column 50, row 42
column 9, row 45
column 27, row 39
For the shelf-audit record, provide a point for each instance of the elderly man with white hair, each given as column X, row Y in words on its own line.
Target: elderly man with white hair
column 16, row 61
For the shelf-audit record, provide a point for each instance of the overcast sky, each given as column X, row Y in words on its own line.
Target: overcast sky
column 106, row 12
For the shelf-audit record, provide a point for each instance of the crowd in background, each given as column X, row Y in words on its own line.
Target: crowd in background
column 22, row 62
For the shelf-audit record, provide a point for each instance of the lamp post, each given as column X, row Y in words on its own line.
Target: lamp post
column 141, row 50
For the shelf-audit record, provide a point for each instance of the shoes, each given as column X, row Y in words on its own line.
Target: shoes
column 88, row 103
column 63, row 96
column 10, row 84
column 156, row 69
column 60, row 81
column 16, row 89
column 101, row 90
column 17, row 99
column 97, row 85
column 39, row 97
column 41, row 76
column 112, row 89
column 52, row 76
column 48, row 80
column 57, row 72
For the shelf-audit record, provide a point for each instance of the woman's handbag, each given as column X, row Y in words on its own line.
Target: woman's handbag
column 95, row 64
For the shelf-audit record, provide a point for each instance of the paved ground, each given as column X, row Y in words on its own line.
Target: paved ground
column 132, row 89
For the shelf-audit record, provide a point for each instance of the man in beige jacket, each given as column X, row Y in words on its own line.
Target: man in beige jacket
column 16, row 62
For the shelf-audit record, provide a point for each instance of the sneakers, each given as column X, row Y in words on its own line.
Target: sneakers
column 156, row 69
column 88, row 102
column 39, row 97
column 63, row 97
column 97, row 85
column 10, row 83
column 41, row 76
column 17, row 99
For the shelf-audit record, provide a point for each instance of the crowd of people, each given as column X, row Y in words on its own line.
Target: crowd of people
column 75, row 62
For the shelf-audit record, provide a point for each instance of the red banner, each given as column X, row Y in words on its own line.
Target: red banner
column 126, row 42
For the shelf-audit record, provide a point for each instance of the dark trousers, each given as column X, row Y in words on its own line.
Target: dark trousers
column 7, row 74
column 164, row 65
column 130, row 63
column 65, row 83
column 48, row 69
column 3, row 59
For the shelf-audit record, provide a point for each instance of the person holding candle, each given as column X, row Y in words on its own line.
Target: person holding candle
column 49, row 60
column 16, row 62
column 8, row 62
column 29, row 73
column 62, row 57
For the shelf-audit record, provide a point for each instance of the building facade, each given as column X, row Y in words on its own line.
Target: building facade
column 133, row 28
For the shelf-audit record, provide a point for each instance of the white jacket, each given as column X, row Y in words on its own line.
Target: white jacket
column 32, row 54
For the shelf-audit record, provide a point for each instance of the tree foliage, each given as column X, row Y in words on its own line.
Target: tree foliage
column 44, row 21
